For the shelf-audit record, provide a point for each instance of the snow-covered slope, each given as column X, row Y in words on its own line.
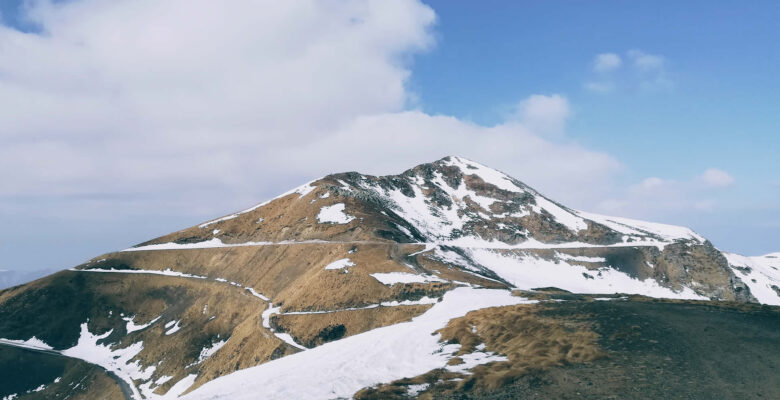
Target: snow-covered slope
column 460, row 202
column 339, row 369
column 452, row 201
column 760, row 273
column 493, row 220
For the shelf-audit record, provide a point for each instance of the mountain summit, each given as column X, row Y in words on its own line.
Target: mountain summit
column 484, row 222
column 451, row 201
column 354, row 281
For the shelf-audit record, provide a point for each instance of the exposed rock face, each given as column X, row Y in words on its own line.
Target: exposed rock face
column 706, row 268
column 448, row 200
column 347, row 254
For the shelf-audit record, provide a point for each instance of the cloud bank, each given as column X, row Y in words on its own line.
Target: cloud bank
column 191, row 106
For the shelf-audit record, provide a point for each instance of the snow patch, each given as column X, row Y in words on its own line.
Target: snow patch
column 257, row 294
column 209, row 351
column 471, row 360
column 38, row 389
column 115, row 360
column 334, row 214
column 391, row 278
column 172, row 327
column 287, row 338
column 414, row 390
column 132, row 327
column 340, row 264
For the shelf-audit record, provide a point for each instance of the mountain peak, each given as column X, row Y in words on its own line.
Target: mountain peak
column 345, row 259
column 452, row 201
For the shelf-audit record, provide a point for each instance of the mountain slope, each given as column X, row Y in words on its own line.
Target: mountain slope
column 323, row 271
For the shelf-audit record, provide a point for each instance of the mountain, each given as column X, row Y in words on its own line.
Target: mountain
column 450, row 279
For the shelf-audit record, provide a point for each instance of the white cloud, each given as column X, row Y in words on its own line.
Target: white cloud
column 131, row 93
column 645, row 71
column 717, row 178
column 381, row 144
column 606, row 62
column 652, row 71
column 542, row 114
column 646, row 62
column 195, row 106
column 656, row 197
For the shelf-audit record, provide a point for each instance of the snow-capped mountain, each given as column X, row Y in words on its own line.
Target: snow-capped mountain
column 340, row 284
column 452, row 201
column 485, row 222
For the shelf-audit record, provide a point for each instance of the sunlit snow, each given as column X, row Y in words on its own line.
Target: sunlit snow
column 334, row 214
column 391, row 278
column 340, row 368
column 340, row 264
column 761, row 274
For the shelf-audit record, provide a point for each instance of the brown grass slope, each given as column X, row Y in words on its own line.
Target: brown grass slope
column 619, row 349
column 52, row 309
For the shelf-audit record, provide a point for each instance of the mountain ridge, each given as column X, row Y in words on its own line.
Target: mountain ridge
column 347, row 257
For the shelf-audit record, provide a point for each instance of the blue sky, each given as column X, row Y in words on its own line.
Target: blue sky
column 721, row 109
column 722, row 57
column 125, row 120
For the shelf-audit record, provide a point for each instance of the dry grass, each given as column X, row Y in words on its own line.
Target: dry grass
column 62, row 302
column 293, row 217
column 531, row 342
column 295, row 275
column 314, row 329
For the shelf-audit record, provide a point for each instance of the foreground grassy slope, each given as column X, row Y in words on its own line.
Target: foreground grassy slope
column 619, row 349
